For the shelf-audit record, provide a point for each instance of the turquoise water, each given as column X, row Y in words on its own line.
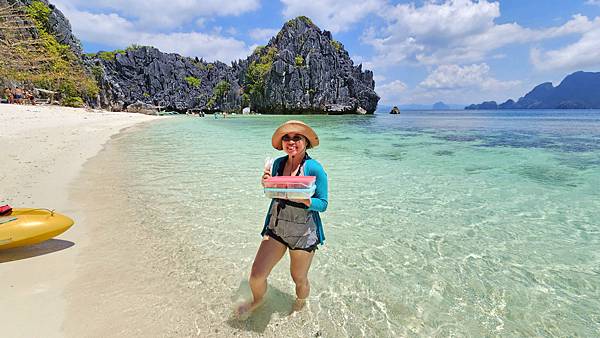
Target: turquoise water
column 439, row 223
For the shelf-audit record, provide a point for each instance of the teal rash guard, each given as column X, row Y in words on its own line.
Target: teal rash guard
column 318, row 202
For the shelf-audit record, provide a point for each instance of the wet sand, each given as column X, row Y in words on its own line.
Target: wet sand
column 44, row 148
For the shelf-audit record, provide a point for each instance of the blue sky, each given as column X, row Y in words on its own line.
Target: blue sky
column 459, row 51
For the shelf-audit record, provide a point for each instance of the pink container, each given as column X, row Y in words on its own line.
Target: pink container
column 290, row 182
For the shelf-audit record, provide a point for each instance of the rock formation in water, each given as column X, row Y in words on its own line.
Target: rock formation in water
column 301, row 70
column 483, row 106
column 147, row 75
column 440, row 106
column 580, row 90
column 395, row 110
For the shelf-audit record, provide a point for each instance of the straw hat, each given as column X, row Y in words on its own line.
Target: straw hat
column 297, row 127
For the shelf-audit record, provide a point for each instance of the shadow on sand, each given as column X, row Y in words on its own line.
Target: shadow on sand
column 276, row 301
column 49, row 246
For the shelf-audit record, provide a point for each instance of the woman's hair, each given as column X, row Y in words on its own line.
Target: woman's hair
column 308, row 145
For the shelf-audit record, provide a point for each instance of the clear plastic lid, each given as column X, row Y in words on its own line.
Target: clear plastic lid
column 290, row 193
column 290, row 182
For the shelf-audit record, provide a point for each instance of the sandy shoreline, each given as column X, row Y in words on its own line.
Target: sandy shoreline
column 44, row 150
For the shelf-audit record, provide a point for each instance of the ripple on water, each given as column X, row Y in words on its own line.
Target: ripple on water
column 547, row 175
column 425, row 236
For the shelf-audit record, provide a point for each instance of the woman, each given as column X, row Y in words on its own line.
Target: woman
column 290, row 224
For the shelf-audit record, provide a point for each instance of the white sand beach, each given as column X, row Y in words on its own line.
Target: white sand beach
column 44, row 148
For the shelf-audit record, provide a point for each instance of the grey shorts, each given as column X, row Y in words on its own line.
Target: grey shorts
column 280, row 240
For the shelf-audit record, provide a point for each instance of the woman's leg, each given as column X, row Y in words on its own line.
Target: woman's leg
column 299, row 266
column 269, row 253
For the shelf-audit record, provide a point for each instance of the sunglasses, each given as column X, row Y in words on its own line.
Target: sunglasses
column 296, row 138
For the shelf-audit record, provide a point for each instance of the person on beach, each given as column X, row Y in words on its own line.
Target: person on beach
column 290, row 224
column 9, row 95
column 29, row 96
column 18, row 95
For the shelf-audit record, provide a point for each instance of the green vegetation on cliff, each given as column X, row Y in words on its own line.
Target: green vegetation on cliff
column 219, row 93
column 336, row 44
column 221, row 89
column 40, row 60
column 193, row 81
column 258, row 70
column 110, row 55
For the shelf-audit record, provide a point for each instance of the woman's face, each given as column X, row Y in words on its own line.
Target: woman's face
column 293, row 144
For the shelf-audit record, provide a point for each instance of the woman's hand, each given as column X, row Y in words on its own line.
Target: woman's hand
column 266, row 175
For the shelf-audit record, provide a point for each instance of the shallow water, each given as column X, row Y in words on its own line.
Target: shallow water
column 439, row 223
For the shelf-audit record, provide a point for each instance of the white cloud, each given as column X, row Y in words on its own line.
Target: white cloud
column 593, row 2
column 262, row 34
column 453, row 77
column 110, row 29
column 452, row 84
column 577, row 25
column 390, row 92
column 118, row 32
column 453, row 31
column 378, row 78
column 209, row 47
column 157, row 15
column 231, row 31
column 200, row 22
column 583, row 54
column 333, row 15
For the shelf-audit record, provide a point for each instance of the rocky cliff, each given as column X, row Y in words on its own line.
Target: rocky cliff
column 38, row 49
column 57, row 23
column 580, row 90
column 301, row 70
column 145, row 74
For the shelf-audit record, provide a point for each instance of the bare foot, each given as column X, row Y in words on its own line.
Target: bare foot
column 244, row 310
column 298, row 304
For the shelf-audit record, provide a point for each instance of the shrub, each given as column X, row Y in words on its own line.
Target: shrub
column 336, row 44
column 306, row 20
column 61, row 70
column 193, row 81
column 111, row 55
column 211, row 103
column 221, row 89
column 258, row 70
column 40, row 13
column 73, row 101
column 299, row 61
column 134, row 46
column 245, row 100
column 258, row 50
column 97, row 71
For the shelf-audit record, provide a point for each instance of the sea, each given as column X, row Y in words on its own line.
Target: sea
column 440, row 223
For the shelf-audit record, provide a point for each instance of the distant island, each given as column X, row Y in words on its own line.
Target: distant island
column 580, row 90
column 301, row 70
column 440, row 106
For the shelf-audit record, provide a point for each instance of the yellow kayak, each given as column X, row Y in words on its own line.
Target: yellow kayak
column 31, row 226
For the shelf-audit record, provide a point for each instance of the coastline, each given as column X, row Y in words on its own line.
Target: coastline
column 45, row 148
